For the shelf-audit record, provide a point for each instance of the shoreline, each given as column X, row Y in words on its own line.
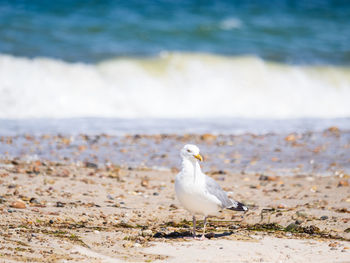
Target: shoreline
column 132, row 214
column 307, row 153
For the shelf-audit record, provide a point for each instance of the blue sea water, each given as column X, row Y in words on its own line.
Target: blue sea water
column 193, row 65
column 297, row 32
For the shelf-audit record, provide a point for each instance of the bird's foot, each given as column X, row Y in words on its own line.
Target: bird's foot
column 201, row 238
column 193, row 236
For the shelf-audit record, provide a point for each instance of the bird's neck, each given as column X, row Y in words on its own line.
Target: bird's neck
column 191, row 168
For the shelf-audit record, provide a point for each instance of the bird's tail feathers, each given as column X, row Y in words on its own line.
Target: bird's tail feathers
column 237, row 206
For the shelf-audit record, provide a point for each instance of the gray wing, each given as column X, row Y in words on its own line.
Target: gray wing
column 215, row 189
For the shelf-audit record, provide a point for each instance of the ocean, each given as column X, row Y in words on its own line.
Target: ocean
column 174, row 66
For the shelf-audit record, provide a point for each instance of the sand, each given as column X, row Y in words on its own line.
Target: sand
column 260, row 249
column 86, row 212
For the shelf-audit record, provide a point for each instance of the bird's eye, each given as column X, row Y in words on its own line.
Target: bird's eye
column 188, row 150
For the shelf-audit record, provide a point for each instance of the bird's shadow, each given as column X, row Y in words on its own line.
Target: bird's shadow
column 188, row 234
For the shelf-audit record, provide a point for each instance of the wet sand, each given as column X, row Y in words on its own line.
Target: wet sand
column 88, row 212
column 321, row 153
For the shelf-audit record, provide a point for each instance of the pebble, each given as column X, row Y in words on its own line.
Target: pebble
column 18, row 205
column 281, row 206
column 147, row 233
column 290, row 138
column 291, row 227
column 301, row 214
column 145, row 182
column 268, row 178
column 91, row 165
column 208, row 137
column 2, row 200
column 343, row 183
column 324, row 217
column 298, row 222
column 173, row 206
column 34, row 201
column 60, row 204
column 128, row 244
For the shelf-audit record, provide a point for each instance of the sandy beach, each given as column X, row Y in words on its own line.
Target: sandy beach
column 56, row 211
column 98, row 99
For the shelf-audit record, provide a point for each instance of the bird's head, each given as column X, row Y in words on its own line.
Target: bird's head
column 191, row 152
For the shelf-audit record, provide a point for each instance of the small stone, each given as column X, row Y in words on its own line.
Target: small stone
column 147, row 233
column 128, row 244
column 311, row 229
column 60, row 204
column 268, row 178
column 34, row 201
column 2, row 200
column 343, row 183
column 281, row 206
column 51, row 221
column 18, row 205
column 324, row 217
column 155, row 193
column 333, row 244
column 14, row 162
column 290, row 138
column 291, row 227
column 173, row 207
column 301, row 214
column 145, row 182
column 208, row 137
column 91, row 165
column 333, row 129
column 298, row 222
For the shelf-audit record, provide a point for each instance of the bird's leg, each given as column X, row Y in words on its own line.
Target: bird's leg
column 194, row 226
column 204, row 225
column 194, row 229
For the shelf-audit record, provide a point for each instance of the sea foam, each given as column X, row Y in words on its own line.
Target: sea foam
column 172, row 85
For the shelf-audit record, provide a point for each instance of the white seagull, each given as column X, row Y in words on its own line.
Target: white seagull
column 199, row 193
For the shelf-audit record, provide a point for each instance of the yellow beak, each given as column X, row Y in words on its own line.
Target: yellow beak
column 199, row 157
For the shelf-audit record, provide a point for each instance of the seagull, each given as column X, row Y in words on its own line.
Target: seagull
column 199, row 193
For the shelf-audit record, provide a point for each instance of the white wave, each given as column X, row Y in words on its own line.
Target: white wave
column 174, row 85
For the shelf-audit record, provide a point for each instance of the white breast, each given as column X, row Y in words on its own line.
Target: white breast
column 194, row 197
